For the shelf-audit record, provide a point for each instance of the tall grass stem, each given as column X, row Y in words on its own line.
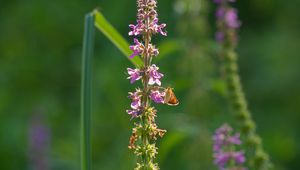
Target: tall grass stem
column 86, row 91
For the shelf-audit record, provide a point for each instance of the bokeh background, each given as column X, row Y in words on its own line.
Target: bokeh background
column 40, row 69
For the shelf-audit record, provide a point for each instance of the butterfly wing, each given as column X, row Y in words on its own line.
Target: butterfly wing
column 170, row 98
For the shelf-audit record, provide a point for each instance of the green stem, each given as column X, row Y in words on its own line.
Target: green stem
column 145, row 117
column 86, row 91
column 260, row 160
column 145, row 143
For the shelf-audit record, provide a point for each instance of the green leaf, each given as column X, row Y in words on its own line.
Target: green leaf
column 115, row 37
column 86, row 91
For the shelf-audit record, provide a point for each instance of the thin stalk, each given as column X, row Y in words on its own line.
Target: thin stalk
column 260, row 159
column 86, row 91
column 145, row 121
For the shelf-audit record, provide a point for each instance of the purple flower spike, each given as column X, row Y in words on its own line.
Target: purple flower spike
column 231, row 19
column 155, row 76
column 227, row 22
column 134, row 74
column 145, row 131
column 157, row 96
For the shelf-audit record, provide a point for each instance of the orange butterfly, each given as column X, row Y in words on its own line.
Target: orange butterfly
column 170, row 98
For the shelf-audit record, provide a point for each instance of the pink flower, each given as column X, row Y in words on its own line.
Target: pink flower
column 156, row 28
column 155, row 76
column 239, row 157
column 137, row 49
column 136, row 29
column 231, row 19
column 135, row 103
column 220, row 12
column 134, row 74
column 157, row 96
column 133, row 113
column 152, row 51
column 136, row 99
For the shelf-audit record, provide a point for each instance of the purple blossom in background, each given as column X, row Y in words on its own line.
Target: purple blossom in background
column 157, row 96
column 218, row 1
column 239, row 157
column 39, row 143
column 134, row 74
column 227, row 21
column 220, row 12
column 231, row 19
column 235, row 139
column 219, row 36
column 221, row 159
column 224, row 149
column 155, row 76
column 222, row 1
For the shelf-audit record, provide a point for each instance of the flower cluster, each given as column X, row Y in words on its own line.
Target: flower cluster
column 155, row 93
column 145, row 132
column 147, row 24
column 139, row 49
column 227, row 20
column 147, row 21
column 226, row 157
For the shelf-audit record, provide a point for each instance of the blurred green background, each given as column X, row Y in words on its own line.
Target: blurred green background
column 40, row 65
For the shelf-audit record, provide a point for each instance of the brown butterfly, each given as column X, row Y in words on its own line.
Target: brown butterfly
column 170, row 98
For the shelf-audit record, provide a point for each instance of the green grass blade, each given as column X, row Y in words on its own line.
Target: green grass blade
column 115, row 37
column 86, row 91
